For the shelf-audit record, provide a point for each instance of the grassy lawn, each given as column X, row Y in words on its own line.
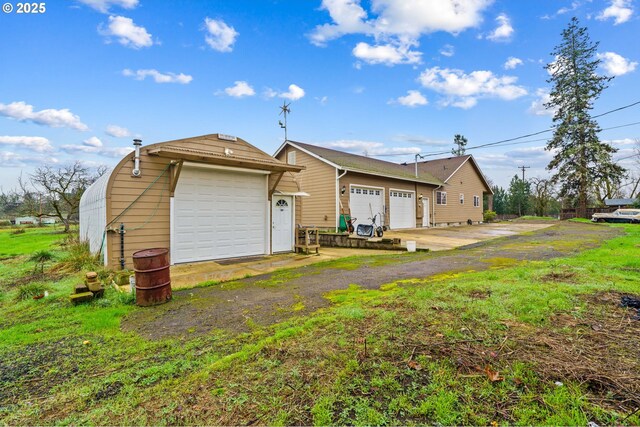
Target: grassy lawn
column 31, row 240
column 530, row 343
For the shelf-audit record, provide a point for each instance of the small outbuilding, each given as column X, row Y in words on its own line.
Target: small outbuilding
column 205, row 198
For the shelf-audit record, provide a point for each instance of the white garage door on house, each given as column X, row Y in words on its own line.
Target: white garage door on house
column 219, row 213
column 402, row 209
column 365, row 202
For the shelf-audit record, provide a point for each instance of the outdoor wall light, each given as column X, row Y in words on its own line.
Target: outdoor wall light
column 343, row 189
column 420, row 197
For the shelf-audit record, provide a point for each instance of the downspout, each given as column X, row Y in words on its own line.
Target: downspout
column 338, row 197
column 433, row 201
column 122, row 260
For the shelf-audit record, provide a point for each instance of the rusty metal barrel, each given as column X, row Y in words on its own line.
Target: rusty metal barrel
column 153, row 278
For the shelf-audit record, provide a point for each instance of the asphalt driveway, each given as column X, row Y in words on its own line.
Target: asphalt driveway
column 271, row 298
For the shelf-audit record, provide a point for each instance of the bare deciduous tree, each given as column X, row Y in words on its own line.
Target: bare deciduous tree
column 542, row 191
column 63, row 188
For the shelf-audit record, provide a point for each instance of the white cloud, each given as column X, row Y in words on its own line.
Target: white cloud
column 463, row 90
column 616, row 65
column 387, row 54
column 94, row 141
column 512, row 62
column 157, row 76
column 35, row 143
column 240, row 89
column 619, row 10
column 23, row 112
column 369, row 148
column 348, row 18
column 416, row 139
column 220, row 36
column 104, row 5
column 95, row 146
column 323, row 100
column 447, row 50
column 563, row 10
column 10, row 159
column 117, row 131
column 128, row 33
column 537, row 105
column 504, row 31
column 294, row 93
column 413, row 98
column 396, row 25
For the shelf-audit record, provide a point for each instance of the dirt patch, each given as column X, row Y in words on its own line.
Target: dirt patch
column 559, row 276
column 35, row 369
column 268, row 299
column 599, row 349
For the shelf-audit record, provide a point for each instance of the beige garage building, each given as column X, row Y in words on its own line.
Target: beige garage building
column 205, row 198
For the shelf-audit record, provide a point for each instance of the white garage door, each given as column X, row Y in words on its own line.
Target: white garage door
column 402, row 209
column 218, row 214
column 365, row 201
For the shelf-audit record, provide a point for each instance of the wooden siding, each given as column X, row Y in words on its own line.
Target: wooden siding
column 352, row 178
column 319, row 181
column 465, row 181
column 147, row 221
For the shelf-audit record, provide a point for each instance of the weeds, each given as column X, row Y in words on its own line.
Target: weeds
column 41, row 257
column 78, row 257
column 29, row 291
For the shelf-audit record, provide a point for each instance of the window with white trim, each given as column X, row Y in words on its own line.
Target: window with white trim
column 291, row 157
column 476, row 201
column 461, row 199
column 441, row 197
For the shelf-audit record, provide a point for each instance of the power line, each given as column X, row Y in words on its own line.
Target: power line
column 505, row 141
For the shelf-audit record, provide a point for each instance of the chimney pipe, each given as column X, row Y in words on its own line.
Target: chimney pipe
column 137, row 143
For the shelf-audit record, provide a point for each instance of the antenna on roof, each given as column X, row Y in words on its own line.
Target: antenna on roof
column 284, row 110
column 416, row 161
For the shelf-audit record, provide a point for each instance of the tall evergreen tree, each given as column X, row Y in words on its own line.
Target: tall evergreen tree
column 519, row 196
column 581, row 158
column 460, row 142
column 500, row 200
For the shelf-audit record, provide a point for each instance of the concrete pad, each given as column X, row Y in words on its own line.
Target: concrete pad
column 190, row 274
column 435, row 239
column 446, row 238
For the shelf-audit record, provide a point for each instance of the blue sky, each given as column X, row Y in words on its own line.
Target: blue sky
column 387, row 78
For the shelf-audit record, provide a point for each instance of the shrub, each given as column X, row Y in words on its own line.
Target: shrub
column 489, row 216
column 40, row 258
column 29, row 291
column 5, row 223
column 19, row 231
column 78, row 257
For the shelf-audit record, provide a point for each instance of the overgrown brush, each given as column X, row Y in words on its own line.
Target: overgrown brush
column 78, row 257
column 41, row 258
column 29, row 291
column 19, row 231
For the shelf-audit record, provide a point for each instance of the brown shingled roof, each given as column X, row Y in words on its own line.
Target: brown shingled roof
column 444, row 168
column 368, row 165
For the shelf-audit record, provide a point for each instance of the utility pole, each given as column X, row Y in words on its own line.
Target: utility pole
column 523, row 168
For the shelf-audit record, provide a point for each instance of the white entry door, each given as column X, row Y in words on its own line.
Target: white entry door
column 282, row 223
column 425, row 212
